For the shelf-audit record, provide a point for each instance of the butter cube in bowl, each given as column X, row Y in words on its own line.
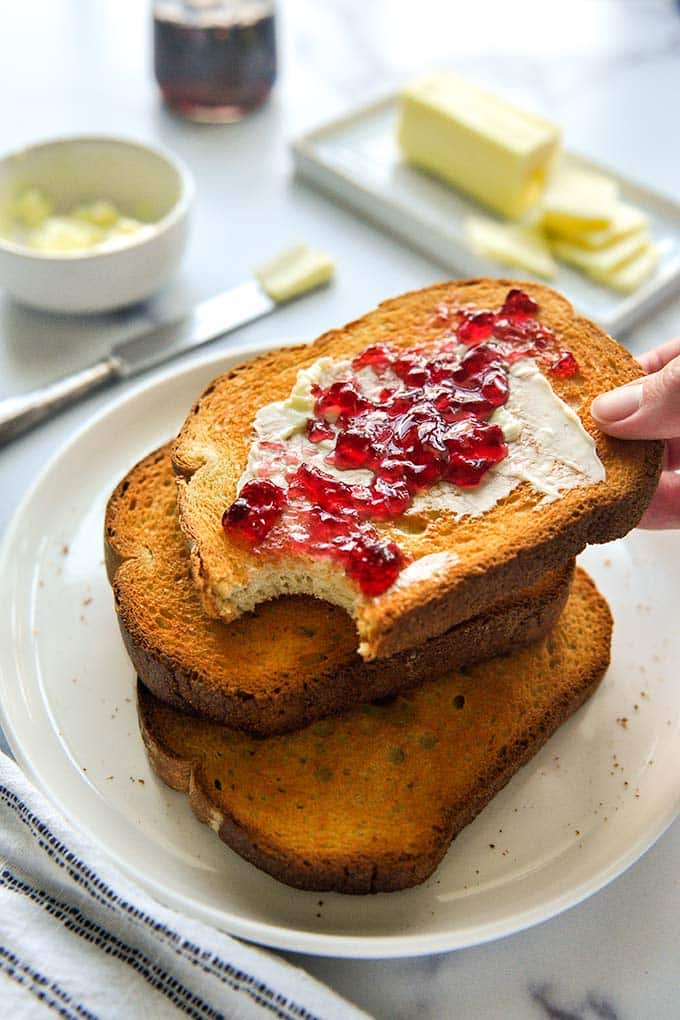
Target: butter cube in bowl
column 91, row 224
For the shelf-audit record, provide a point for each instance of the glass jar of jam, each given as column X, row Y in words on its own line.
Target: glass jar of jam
column 214, row 60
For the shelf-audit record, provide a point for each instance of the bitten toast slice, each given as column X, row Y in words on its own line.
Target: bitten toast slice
column 292, row 660
column 370, row 800
column 460, row 565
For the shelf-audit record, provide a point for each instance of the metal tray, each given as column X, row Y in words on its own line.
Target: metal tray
column 355, row 159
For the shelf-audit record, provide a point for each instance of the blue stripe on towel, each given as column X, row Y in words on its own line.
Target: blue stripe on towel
column 76, row 922
column 41, row 987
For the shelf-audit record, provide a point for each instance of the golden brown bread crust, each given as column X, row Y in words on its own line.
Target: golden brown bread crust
column 369, row 801
column 291, row 661
column 506, row 549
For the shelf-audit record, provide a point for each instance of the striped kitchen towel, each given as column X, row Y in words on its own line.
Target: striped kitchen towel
column 79, row 940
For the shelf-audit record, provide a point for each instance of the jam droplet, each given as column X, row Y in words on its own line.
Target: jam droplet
column 375, row 566
column 564, row 366
column 378, row 356
column 317, row 431
column 476, row 327
column 340, row 399
column 519, row 305
column 252, row 515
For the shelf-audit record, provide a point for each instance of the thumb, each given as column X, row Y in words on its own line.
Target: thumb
column 646, row 409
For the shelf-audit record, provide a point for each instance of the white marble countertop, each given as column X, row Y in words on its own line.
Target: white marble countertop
column 609, row 72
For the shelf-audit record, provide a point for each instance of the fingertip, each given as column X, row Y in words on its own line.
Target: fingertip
column 615, row 406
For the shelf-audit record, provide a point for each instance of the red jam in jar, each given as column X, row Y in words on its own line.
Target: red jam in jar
column 428, row 423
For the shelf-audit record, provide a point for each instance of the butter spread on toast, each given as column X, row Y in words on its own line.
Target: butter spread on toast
column 450, row 426
column 547, row 444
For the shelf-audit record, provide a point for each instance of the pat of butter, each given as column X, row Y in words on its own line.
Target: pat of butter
column 627, row 220
column 603, row 261
column 295, row 271
column 633, row 274
column 578, row 200
column 476, row 141
column 512, row 244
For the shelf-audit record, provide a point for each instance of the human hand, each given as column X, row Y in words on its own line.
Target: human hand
column 649, row 408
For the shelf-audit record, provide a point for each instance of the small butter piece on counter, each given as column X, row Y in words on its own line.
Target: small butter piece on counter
column 295, row 271
column 512, row 244
column 476, row 141
column 577, row 200
column 628, row 277
column 603, row 261
column 627, row 219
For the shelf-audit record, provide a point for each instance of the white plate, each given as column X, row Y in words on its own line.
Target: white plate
column 584, row 809
column 355, row 159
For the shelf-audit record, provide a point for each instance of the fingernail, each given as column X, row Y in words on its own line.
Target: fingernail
column 617, row 404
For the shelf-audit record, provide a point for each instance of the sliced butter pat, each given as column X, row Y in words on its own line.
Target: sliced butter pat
column 510, row 243
column 627, row 220
column 603, row 261
column 633, row 274
column 295, row 271
column 578, row 200
column 476, row 141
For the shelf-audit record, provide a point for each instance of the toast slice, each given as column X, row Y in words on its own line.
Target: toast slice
column 370, row 800
column 460, row 564
column 292, row 660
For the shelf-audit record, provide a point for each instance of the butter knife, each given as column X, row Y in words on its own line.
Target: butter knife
column 290, row 275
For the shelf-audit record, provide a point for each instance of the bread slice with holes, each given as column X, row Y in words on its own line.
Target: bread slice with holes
column 292, row 660
column 462, row 565
column 370, row 800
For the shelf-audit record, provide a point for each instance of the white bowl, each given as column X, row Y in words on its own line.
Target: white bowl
column 142, row 181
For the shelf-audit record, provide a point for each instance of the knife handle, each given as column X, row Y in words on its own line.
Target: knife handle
column 17, row 414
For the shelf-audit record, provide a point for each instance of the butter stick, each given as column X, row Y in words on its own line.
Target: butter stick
column 478, row 142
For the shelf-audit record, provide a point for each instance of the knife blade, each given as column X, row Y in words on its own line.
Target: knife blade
column 290, row 275
column 214, row 317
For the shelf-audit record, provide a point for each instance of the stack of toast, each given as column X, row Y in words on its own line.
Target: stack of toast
column 335, row 737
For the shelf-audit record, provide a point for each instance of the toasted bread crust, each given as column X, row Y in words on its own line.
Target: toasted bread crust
column 507, row 548
column 293, row 660
column 370, row 801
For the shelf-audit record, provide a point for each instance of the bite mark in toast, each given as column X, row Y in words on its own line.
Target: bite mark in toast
column 292, row 660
